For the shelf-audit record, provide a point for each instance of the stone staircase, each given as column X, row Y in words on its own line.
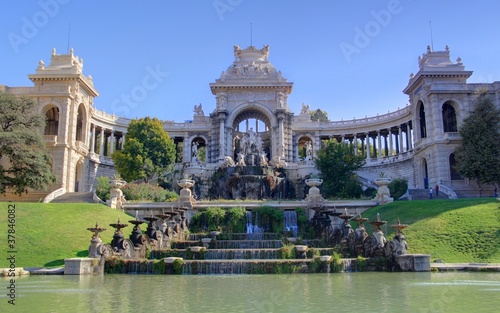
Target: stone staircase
column 75, row 197
column 423, row 194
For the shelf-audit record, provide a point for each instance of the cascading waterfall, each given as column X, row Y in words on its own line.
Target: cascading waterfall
column 254, row 231
column 291, row 222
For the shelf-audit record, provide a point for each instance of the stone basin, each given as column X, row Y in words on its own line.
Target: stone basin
column 291, row 239
column 301, row 248
column 325, row 258
column 195, row 249
column 206, row 240
column 171, row 259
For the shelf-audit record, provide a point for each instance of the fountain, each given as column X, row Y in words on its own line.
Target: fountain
column 358, row 237
column 301, row 251
column 121, row 246
column 398, row 245
column 322, row 224
column 374, row 244
column 346, row 226
column 155, row 236
column 96, row 248
column 139, row 240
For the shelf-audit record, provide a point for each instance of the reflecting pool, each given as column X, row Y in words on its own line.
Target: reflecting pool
column 344, row 292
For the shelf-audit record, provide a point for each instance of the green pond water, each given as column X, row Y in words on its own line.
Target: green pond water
column 344, row 292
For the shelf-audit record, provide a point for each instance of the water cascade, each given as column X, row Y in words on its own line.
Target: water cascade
column 291, row 222
column 253, row 230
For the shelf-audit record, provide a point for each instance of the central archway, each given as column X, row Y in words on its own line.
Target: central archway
column 256, row 120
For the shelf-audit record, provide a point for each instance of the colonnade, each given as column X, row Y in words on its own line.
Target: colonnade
column 375, row 144
column 105, row 141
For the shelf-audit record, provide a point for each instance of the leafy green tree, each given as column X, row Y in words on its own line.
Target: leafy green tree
column 479, row 155
column 148, row 152
column 319, row 115
column 25, row 161
column 337, row 164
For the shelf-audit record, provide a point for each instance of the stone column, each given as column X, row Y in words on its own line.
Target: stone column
column 391, row 151
column 410, row 139
column 400, row 141
column 386, row 148
column 222, row 136
column 281, row 140
column 186, row 152
column 123, row 140
column 355, row 144
column 368, row 156
column 101, row 142
column 92, row 139
column 379, row 145
column 112, row 143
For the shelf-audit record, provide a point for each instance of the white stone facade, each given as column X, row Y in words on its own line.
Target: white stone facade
column 415, row 143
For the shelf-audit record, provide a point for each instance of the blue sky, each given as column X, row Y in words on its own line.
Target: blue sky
column 350, row 58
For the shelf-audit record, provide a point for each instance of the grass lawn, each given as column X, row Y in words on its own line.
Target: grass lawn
column 46, row 234
column 461, row 230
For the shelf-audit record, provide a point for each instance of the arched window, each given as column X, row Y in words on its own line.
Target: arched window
column 79, row 123
column 51, row 121
column 454, row 175
column 423, row 127
column 449, row 118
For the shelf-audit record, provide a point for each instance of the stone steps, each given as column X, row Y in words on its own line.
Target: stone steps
column 423, row 194
column 75, row 197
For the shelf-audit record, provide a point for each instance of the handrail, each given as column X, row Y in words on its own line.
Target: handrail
column 447, row 191
column 54, row 194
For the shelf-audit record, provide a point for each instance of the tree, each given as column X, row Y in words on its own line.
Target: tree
column 337, row 164
column 148, row 151
column 319, row 115
column 26, row 162
column 479, row 155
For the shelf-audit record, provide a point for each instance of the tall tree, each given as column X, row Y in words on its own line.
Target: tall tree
column 25, row 162
column 148, row 152
column 337, row 164
column 479, row 155
column 319, row 115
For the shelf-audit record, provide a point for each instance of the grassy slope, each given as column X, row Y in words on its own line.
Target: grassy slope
column 463, row 230
column 46, row 234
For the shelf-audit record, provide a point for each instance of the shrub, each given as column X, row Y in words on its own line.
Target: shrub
column 215, row 218
column 370, row 192
column 103, row 187
column 271, row 218
column 336, row 265
column 398, row 188
column 287, row 252
column 178, row 265
column 236, row 220
column 147, row 192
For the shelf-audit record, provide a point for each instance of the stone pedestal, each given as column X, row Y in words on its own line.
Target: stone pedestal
column 383, row 193
column 81, row 266
column 414, row 262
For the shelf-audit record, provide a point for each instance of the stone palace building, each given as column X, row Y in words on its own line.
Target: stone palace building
column 250, row 116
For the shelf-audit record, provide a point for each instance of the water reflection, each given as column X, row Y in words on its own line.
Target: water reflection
column 346, row 292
